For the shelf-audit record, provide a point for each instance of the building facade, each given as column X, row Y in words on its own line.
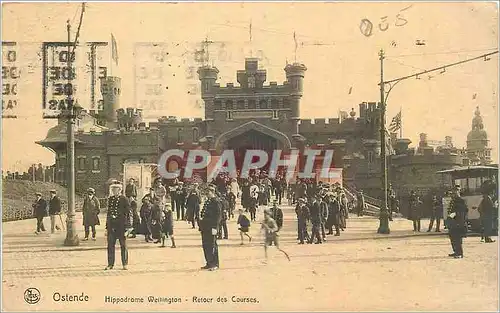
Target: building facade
column 248, row 115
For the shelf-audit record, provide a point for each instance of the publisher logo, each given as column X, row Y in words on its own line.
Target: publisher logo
column 32, row 296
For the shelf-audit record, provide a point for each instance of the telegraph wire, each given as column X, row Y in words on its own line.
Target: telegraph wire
column 439, row 53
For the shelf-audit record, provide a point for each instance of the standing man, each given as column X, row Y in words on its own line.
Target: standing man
column 486, row 210
column 91, row 209
column 415, row 210
column 436, row 213
column 361, row 203
column 54, row 210
column 315, row 211
column 457, row 223
column 392, row 201
column 39, row 211
column 209, row 224
column 302, row 212
column 131, row 189
column 117, row 222
column 277, row 214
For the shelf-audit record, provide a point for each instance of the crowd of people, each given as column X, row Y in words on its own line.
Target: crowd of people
column 321, row 209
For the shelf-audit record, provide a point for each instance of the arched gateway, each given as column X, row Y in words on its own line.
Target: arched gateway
column 252, row 136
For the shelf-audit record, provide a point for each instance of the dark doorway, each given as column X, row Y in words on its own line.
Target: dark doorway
column 251, row 140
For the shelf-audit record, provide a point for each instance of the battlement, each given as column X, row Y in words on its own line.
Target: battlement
column 176, row 121
column 139, row 128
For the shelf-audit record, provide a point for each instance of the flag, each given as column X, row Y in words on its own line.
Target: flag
column 343, row 115
column 395, row 123
column 114, row 49
column 250, row 30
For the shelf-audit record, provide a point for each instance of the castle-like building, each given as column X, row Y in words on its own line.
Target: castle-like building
column 251, row 115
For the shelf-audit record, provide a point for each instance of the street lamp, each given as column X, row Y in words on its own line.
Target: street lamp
column 71, row 111
column 384, row 212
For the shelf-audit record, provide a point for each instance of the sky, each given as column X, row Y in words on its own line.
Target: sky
column 343, row 67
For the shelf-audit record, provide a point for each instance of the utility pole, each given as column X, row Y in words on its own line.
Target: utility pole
column 71, row 233
column 384, row 214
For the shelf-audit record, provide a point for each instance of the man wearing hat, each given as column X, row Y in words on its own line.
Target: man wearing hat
column 117, row 222
column 457, row 223
column 39, row 211
column 277, row 214
column 209, row 224
column 91, row 209
column 302, row 212
column 54, row 210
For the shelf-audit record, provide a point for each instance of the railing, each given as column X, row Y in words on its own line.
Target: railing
column 10, row 213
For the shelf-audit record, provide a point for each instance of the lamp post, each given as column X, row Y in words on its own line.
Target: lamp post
column 71, row 233
column 384, row 214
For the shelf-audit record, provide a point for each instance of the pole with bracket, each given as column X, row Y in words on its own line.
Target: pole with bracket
column 71, row 233
column 384, row 214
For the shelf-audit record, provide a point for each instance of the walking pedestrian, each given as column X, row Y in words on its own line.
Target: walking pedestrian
column 167, row 226
column 360, row 205
column 271, row 234
column 457, row 224
column 209, row 224
column 244, row 228
column 436, row 213
column 91, row 210
column 54, row 210
column 39, row 211
column 302, row 212
column 146, row 215
column 193, row 208
column 486, row 211
column 415, row 210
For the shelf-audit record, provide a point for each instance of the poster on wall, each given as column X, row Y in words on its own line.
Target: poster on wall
column 10, row 79
column 71, row 77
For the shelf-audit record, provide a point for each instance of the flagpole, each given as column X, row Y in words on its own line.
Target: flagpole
column 401, row 122
column 111, row 57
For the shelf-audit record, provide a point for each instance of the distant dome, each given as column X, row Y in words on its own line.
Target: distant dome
column 477, row 132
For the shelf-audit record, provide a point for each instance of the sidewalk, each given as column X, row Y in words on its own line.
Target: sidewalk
column 19, row 236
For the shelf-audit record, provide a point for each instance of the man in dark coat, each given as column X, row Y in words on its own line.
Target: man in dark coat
column 436, row 213
column 224, row 217
column 303, row 216
column 118, row 220
column 193, row 208
column 486, row 211
column 457, row 224
column 39, row 211
column 54, row 210
column 277, row 214
column 324, row 214
column 360, row 205
column 131, row 189
column 315, row 214
column 91, row 209
column 415, row 210
column 334, row 215
column 209, row 224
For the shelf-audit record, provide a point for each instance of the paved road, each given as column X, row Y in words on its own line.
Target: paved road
column 359, row 270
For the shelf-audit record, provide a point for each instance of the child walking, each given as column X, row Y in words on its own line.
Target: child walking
column 167, row 227
column 270, row 229
column 244, row 223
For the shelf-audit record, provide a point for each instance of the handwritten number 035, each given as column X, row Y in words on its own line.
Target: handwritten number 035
column 366, row 26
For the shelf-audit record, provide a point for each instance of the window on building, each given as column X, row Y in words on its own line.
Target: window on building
column 207, row 86
column 370, row 157
column 251, row 82
column 229, row 105
column 195, row 134
column 263, row 104
column 229, row 115
column 96, row 163
column 81, row 163
column 275, row 114
column 179, row 135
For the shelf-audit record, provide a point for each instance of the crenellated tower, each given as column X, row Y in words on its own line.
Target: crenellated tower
column 295, row 77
